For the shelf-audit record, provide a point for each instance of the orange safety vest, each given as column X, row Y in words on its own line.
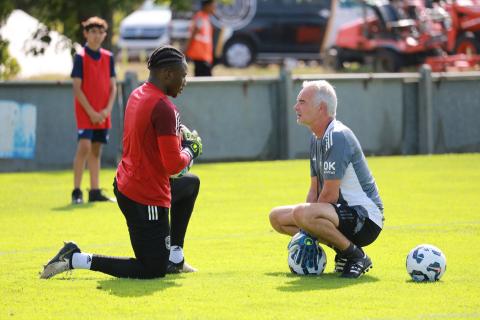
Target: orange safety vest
column 201, row 46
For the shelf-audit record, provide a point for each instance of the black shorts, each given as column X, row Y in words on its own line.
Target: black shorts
column 149, row 231
column 355, row 225
column 94, row 135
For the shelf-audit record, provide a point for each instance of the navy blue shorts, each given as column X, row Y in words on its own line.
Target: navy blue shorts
column 94, row 135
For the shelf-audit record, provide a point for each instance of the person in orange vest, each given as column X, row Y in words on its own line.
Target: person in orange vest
column 200, row 44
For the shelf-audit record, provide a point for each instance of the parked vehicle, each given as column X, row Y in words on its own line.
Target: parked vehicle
column 180, row 25
column 145, row 29
column 271, row 30
column 464, row 36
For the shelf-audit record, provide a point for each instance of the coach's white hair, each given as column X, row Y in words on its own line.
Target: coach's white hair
column 324, row 92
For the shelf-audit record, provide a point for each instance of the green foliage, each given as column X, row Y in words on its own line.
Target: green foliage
column 179, row 5
column 6, row 6
column 242, row 263
column 9, row 66
column 66, row 16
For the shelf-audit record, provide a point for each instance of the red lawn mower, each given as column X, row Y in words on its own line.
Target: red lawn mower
column 464, row 35
column 391, row 35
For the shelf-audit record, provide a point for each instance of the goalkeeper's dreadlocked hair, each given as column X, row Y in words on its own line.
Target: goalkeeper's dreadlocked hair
column 165, row 56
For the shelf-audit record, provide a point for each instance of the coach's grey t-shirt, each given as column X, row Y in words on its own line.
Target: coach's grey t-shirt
column 338, row 155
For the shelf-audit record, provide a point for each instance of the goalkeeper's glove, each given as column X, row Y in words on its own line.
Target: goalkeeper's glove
column 193, row 145
column 309, row 253
column 187, row 134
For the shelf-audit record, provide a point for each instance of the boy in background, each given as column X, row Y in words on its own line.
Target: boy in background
column 94, row 87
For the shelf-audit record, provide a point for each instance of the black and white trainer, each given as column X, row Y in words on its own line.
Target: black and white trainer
column 181, row 267
column 355, row 267
column 61, row 262
column 77, row 196
column 95, row 195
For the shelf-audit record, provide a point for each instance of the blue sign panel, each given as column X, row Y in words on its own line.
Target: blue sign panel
column 18, row 124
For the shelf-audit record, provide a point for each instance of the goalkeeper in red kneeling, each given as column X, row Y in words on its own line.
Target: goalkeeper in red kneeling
column 155, row 147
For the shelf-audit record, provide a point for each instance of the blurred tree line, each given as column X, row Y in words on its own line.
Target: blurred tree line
column 65, row 16
column 8, row 65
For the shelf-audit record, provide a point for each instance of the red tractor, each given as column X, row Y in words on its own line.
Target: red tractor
column 389, row 36
column 464, row 35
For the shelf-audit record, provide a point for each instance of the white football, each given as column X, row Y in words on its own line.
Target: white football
column 300, row 242
column 184, row 171
column 426, row 263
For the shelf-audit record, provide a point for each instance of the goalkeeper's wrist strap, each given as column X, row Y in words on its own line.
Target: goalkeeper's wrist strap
column 188, row 151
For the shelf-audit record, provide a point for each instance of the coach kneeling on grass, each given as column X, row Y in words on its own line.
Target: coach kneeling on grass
column 343, row 208
column 154, row 149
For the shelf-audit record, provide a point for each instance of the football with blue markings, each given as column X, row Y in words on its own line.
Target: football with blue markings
column 305, row 256
column 426, row 262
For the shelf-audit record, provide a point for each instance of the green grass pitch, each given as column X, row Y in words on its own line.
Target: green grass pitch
column 243, row 273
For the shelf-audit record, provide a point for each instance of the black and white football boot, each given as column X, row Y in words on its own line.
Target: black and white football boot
column 340, row 262
column 355, row 267
column 61, row 262
column 181, row 267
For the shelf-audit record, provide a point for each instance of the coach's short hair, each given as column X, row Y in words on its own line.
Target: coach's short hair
column 94, row 22
column 324, row 92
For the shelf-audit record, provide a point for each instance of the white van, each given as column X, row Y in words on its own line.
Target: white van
column 145, row 29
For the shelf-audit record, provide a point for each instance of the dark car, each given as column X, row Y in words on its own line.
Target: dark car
column 271, row 30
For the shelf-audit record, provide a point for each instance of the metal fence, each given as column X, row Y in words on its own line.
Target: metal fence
column 251, row 118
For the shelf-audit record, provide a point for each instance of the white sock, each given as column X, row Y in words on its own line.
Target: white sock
column 176, row 254
column 81, row 260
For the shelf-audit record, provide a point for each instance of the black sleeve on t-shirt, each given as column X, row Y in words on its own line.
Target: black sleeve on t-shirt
column 77, row 71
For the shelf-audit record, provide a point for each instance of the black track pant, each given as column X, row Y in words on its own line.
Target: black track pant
column 149, row 231
column 202, row 68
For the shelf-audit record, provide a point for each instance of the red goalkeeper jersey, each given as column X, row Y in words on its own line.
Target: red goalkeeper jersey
column 152, row 149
